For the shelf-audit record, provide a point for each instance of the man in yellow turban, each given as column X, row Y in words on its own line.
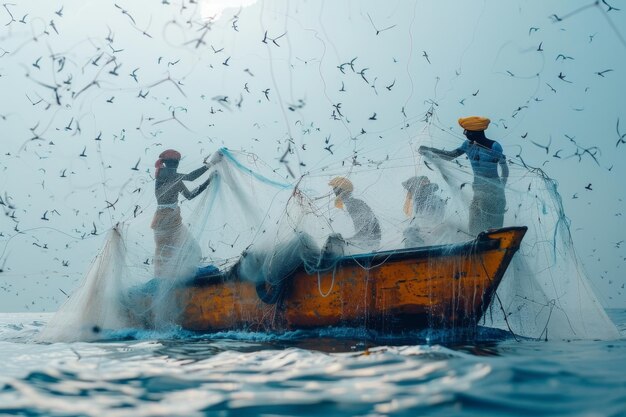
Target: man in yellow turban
column 367, row 230
column 489, row 202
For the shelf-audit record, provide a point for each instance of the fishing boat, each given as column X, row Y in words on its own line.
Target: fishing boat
column 439, row 286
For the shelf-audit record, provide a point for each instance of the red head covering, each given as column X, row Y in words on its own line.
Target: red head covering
column 168, row 154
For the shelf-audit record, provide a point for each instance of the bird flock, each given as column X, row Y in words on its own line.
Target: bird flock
column 92, row 94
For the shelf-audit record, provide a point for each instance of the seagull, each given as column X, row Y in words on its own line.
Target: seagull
column 362, row 74
column 126, row 13
column 134, row 74
column 601, row 73
column 562, row 77
column 563, row 57
column 620, row 135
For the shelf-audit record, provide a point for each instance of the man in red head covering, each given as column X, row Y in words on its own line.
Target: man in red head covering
column 170, row 155
column 485, row 155
column 173, row 241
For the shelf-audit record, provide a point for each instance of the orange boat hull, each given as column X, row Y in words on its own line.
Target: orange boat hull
column 409, row 289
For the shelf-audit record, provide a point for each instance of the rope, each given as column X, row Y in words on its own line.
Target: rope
column 332, row 284
column 248, row 171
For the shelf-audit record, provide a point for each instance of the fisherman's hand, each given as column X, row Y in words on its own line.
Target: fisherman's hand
column 213, row 159
column 423, row 150
column 208, row 181
column 216, row 157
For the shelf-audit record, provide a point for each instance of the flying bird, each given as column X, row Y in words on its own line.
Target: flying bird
column 601, row 73
column 621, row 137
column 610, row 7
column 378, row 31
column 134, row 75
column 563, row 57
column 562, row 78
column 546, row 147
column 362, row 74
column 124, row 11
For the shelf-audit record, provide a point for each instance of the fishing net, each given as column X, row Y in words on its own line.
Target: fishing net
column 262, row 227
column 322, row 164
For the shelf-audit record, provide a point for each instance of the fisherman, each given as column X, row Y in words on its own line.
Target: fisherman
column 176, row 250
column 425, row 208
column 488, row 203
column 367, row 230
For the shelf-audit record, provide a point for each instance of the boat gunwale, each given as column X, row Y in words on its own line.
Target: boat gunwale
column 482, row 243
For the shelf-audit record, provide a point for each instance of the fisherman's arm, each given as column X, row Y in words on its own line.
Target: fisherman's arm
column 189, row 195
column 504, row 170
column 193, row 175
column 217, row 157
column 446, row 155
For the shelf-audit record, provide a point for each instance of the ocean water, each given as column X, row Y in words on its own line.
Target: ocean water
column 331, row 372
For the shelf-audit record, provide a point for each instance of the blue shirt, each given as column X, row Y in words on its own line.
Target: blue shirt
column 484, row 161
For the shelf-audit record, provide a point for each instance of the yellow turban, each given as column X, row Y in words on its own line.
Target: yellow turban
column 474, row 123
column 344, row 185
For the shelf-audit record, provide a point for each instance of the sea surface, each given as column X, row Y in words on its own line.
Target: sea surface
column 335, row 372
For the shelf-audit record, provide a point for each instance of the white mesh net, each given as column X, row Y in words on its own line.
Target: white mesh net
column 256, row 224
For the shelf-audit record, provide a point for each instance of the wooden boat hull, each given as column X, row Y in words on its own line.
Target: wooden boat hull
column 408, row 289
